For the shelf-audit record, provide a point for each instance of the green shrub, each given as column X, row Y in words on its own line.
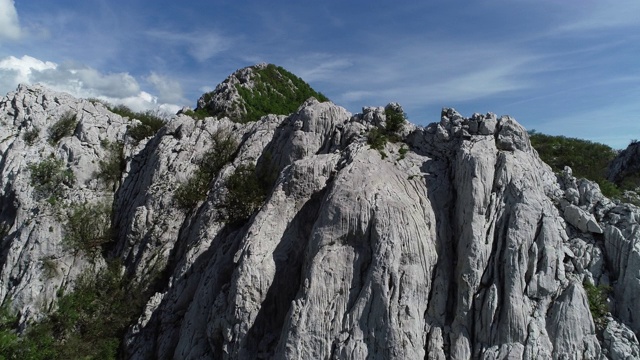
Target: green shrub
column 96, row 101
column 9, row 340
column 403, row 152
column 88, row 228
column 198, row 114
column 110, row 169
column 122, row 110
column 64, row 127
column 247, row 190
column 587, row 159
column 213, row 160
column 608, row 188
column 149, row 122
column 597, row 297
column 50, row 178
column 149, row 126
column 30, row 136
column 376, row 138
column 89, row 323
column 49, row 267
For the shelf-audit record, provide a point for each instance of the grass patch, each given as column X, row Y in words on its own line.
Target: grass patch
column 64, row 127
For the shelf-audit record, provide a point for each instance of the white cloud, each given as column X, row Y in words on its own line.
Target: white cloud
column 9, row 24
column 169, row 90
column 85, row 82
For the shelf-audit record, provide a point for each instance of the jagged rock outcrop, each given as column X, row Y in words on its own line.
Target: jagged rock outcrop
column 456, row 250
column 36, row 264
column 456, row 242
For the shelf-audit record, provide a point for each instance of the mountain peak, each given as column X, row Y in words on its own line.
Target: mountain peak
column 254, row 91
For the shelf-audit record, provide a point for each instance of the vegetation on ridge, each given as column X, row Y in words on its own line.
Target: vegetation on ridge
column 275, row 91
column 587, row 159
column 149, row 125
column 378, row 136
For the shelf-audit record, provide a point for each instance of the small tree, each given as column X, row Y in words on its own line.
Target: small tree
column 395, row 120
column 245, row 194
column 195, row 189
column 110, row 169
column 88, row 228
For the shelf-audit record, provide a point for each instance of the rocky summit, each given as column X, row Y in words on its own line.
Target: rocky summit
column 314, row 234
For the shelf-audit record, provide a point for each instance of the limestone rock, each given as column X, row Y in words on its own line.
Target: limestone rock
column 455, row 243
column 620, row 341
column 36, row 263
column 581, row 219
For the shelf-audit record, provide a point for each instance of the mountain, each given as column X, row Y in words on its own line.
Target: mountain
column 314, row 234
column 255, row 91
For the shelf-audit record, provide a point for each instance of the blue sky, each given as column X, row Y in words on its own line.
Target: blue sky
column 561, row 67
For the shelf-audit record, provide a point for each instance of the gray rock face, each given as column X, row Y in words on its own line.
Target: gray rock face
column 459, row 244
column 35, row 263
column 455, row 250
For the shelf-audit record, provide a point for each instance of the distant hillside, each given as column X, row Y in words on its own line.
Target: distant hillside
column 586, row 158
column 256, row 91
column 624, row 170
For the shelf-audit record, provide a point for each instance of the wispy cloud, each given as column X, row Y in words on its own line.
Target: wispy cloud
column 319, row 66
column 598, row 15
column 201, row 46
column 9, row 23
column 428, row 73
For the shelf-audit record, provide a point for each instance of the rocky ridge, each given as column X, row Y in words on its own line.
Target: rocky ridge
column 463, row 245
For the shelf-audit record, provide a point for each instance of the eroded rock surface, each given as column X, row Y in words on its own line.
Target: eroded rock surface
column 457, row 242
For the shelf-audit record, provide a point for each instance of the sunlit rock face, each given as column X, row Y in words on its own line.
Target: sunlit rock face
column 454, row 242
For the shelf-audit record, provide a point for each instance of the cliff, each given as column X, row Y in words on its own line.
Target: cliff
column 312, row 240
